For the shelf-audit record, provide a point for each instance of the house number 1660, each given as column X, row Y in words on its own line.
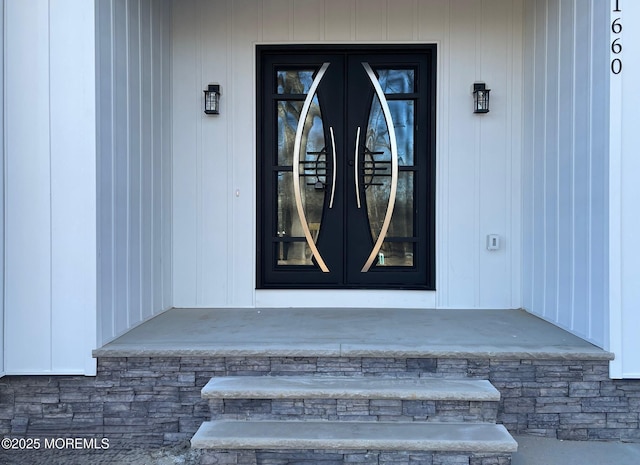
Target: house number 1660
column 616, row 46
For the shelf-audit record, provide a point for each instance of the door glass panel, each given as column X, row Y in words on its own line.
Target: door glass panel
column 402, row 221
column 396, row 254
column 377, row 180
column 402, row 112
column 403, row 212
column 396, row 81
column 312, row 137
column 289, row 225
column 288, row 115
column 376, row 168
column 296, row 253
column 294, row 81
column 313, row 180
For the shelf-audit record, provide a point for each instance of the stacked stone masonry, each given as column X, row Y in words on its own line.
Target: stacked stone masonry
column 154, row 400
column 338, row 457
column 353, row 410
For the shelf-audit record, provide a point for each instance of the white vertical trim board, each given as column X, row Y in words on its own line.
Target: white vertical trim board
column 50, row 299
column 2, row 161
column 28, row 179
column 624, row 224
column 73, row 185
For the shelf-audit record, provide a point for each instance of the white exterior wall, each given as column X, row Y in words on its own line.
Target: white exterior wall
column 478, row 157
column 624, row 224
column 50, row 190
column 134, row 164
column 565, row 165
column 1, row 187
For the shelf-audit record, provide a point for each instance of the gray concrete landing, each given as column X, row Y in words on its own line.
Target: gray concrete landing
column 349, row 332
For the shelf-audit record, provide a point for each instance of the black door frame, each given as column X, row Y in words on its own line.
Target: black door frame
column 430, row 146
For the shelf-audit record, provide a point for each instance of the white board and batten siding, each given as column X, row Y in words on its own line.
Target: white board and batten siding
column 134, row 163
column 624, row 173
column 478, row 156
column 1, row 187
column 50, row 190
column 565, row 165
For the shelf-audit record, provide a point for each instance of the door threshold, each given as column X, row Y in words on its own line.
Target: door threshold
column 355, row 298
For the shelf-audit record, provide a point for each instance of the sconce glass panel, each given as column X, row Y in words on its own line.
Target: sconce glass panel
column 480, row 98
column 212, row 99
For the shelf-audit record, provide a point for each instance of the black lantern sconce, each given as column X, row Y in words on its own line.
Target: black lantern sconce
column 480, row 98
column 212, row 99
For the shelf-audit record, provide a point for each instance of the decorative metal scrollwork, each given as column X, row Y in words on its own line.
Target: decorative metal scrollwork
column 315, row 169
column 373, row 168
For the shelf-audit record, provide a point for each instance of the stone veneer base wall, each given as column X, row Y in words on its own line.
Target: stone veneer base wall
column 336, row 457
column 152, row 401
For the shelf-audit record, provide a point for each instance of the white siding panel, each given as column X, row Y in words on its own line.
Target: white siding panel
column 146, row 163
column 515, row 127
column 120, row 156
column 276, row 23
column 187, row 95
column 214, row 157
column 550, row 174
column 28, row 214
column 133, row 132
column 495, row 155
column 308, row 20
column 339, row 23
column 565, row 201
column 432, row 22
column 2, row 159
column 528, row 138
column 565, row 163
column 402, row 20
column 241, row 110
column 134, row 169
column 463, row 247
column 50, row 264
column 371, row 20
column 625, row 192
column 599, row 316
column 106, row 190
column 582, row 171
column 215, row 186
column 73, row 185
column 538, row 229
column 164, row 82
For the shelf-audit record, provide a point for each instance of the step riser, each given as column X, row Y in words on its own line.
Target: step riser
column 338, row 457
column 353, row 410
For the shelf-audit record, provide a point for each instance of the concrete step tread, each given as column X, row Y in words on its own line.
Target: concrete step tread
column 326, row 387
column 467, row 437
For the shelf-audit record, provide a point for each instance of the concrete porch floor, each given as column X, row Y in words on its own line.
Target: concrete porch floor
column 350, row 332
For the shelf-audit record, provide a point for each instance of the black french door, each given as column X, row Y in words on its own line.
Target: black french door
column 346, row 167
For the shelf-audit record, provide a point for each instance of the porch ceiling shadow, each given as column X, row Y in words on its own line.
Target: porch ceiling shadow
column 349, row 332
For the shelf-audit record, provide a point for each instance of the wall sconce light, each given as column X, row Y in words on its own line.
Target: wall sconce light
column 212, row 99
column 480, row 98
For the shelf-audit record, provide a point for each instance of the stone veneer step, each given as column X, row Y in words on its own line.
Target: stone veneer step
column 325, row 387
column 328, row 435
